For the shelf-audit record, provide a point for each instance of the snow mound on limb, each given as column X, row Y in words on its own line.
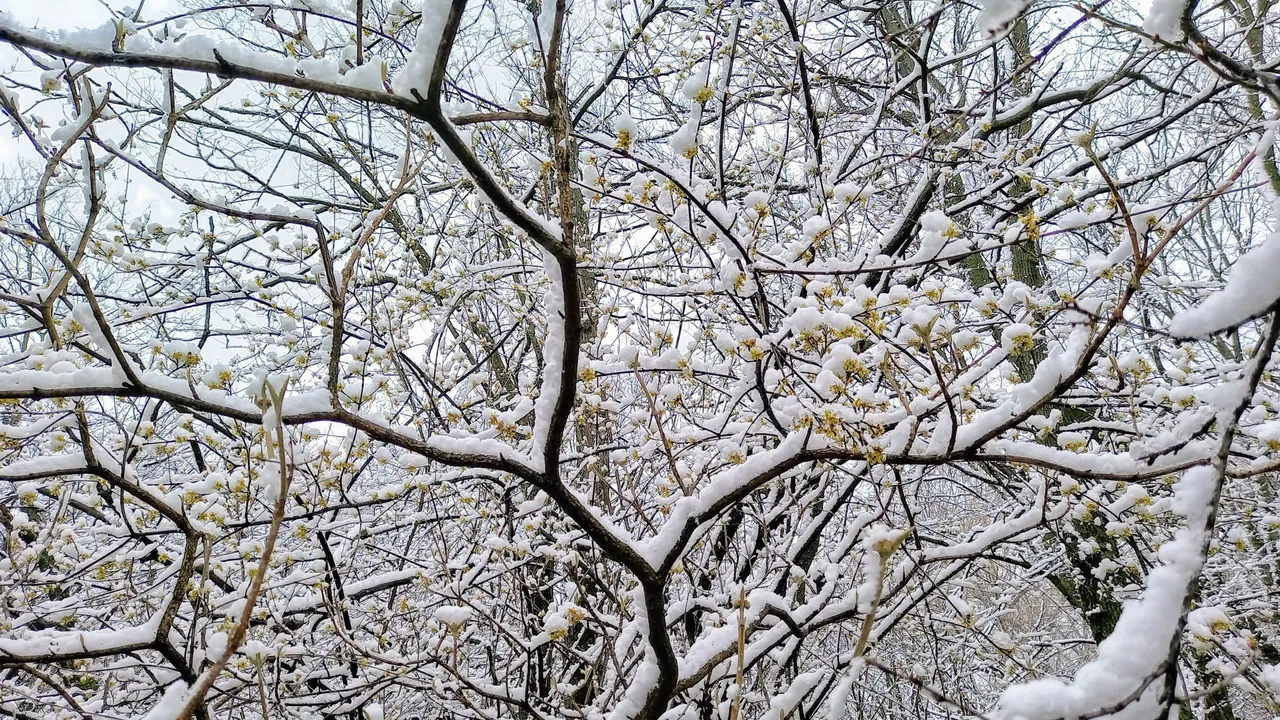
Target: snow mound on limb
column 1252, row 289
column 1126, row 673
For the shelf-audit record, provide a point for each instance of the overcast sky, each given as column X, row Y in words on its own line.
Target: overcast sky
column 71, row 14
column 74, row 13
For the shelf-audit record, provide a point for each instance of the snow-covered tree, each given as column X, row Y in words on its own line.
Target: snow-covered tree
column 641, row 359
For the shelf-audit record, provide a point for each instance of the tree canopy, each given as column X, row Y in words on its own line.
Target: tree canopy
column 641, row 360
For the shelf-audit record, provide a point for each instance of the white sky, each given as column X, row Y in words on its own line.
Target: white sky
column 69, row 15
column 145, row 197
column 51, row 14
